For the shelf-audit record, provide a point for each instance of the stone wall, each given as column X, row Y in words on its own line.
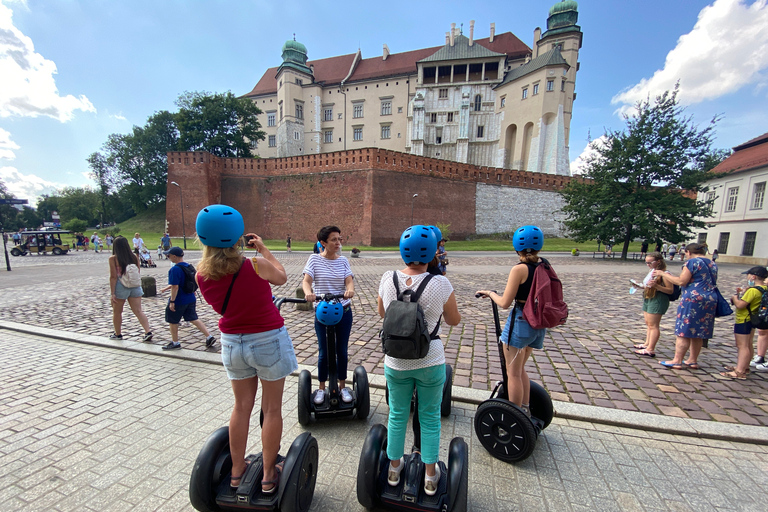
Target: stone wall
column 504, row 209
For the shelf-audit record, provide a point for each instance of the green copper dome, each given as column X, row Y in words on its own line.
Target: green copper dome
column 295, row 57
column 563, row 14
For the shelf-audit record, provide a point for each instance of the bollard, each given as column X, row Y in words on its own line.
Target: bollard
column 149, row 285
column 304, row 306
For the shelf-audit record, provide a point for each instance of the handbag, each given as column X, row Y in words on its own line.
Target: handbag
column 723, row 308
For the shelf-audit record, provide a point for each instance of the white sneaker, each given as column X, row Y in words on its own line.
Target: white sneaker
column 761, row 367
column 431, row 482
column 757, row 360
column 346, row 396
column 320, row 397
column 393, row 475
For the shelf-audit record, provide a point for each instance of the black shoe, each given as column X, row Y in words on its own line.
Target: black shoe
column 147, row 337
column 209, row 341
column 114, row 336
column 172, row 345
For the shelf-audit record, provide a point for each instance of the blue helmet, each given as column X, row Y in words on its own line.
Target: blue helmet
column 437, row 232
column 328, row 313
column 219, row 225
column 418, row 244
column 528, row 238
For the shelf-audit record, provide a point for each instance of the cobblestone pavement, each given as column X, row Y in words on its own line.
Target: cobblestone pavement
column 87, row 428
column 586, row 361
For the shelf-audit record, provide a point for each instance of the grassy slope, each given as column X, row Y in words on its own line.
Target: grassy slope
column 151, row 223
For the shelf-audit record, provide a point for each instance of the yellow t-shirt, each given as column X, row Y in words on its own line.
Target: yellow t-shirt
column 752, row 297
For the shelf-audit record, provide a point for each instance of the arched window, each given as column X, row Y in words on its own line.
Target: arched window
column 478, row 100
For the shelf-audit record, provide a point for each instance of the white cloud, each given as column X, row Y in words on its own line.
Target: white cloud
column 119, row 117
column 726, row 50
column 27, row 186
column 28, row 87
column 7, row 146
column 577, row 166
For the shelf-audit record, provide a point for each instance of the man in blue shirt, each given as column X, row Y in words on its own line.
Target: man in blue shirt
column 181, row 304
column 165, row 241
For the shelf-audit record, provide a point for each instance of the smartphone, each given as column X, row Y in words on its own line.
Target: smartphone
column 636, row 284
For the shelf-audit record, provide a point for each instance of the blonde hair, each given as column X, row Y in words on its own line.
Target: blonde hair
column 662, row 265
column 218, row 262
column 529, row 257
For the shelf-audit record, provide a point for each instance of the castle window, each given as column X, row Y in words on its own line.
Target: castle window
column 503, row 101
column 562, row 85
column 358, row 133
column 385, row 131
column 399, row 110
column 299, row 81
column 480, row 132
column 270, row 119
column 357, row 110
column 296, row 135
column 386, row 108
column 733, row 195
column 535, row 89
column 450, row 117
column 525, row 93
column 478, row 102
column 272, row 141
column 328, row 114
column 550, row 85
column 442, row 94
column 433, row 118
column 328, row 136
column 299, row 111
column 281, row 110
column 439, row 135
column 758, row 196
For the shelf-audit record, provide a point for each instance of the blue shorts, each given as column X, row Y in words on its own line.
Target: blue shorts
column 523, row 335
column 187, row 311
column 268, row 355
column 745, row 328
column 123, row 293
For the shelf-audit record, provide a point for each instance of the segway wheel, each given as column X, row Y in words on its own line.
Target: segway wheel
column 445, row 406
column 212, row 466
column 541, row 404
column 305, row 397
column 362, row 392
column 370, row 465
column 298, row 488
column 504, row 430
column 458, row 474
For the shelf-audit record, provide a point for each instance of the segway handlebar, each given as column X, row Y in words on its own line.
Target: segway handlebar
column 496, row 320
column 282, row 300
column 328, row 297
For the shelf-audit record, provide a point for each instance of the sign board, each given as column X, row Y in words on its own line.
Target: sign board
column 14, row 201
column 55, row 215
column 49, row 224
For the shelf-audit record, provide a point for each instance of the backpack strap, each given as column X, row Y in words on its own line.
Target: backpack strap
column 417, row 295
column 397, row 288
column 229, row 291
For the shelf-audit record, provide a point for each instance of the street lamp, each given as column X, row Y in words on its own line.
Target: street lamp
column 412, row 199
column 183, row 229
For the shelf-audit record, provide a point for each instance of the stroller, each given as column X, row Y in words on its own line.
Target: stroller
column 146, row 258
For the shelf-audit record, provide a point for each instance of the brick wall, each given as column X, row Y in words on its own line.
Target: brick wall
column 366, row 192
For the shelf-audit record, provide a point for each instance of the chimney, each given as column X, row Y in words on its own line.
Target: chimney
column 386, row 51
column 471, row 32
column 447, row 39
column 453, row 32
column 493, row 32
column 536, row 37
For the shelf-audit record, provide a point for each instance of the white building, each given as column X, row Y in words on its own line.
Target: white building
column 738, row 225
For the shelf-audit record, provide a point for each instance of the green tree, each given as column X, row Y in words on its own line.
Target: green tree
column 222, row 124
column 79, row 203
column 75, row 225
column 641, row 182
column 47, row 204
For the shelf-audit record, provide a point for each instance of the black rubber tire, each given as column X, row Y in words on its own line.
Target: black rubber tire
column 504, row 430
column 57, row 251
column 458, row 474
column 305, row 398
column 15, row 252
column 369, row 466
column 362, row 393
column 445, row 406
column 213, row 464
column 541, row 404
column 298, row 488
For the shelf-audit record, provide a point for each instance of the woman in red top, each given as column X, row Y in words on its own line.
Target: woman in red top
column 254, row 343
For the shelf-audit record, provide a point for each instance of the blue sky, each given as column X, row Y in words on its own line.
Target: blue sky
column 72, row 72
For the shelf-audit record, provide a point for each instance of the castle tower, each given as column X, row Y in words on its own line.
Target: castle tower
column 292, row 75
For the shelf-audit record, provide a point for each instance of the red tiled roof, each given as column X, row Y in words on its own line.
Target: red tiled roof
column 333, row 70
column 750, row 155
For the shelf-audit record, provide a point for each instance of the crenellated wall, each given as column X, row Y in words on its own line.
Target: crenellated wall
column 367, row 192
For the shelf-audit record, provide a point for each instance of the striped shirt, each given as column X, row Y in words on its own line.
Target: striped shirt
column 328, row 275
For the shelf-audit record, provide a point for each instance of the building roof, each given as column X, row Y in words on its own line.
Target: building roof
column 747, row 156
column 551, row 58
column 334, row 69
column 461, row 50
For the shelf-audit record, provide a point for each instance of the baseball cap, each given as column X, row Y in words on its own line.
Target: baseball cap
column 760, row 272
column 176, row 251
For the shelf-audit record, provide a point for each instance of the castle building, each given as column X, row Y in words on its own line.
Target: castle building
column 490, row 102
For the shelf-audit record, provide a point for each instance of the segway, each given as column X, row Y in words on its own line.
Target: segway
column 331, row 311
column 209, row 488
column 501, row 426
column 373, row 489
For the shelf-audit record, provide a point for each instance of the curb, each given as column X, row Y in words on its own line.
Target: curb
column 701, row 429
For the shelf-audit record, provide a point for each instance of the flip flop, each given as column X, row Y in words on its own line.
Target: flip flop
column 644, row 352
column 232, row 479
column 673, row 366
column 692, row 366
column 274, row 483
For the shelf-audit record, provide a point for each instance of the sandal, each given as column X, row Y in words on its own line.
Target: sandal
column 274, row 483
column 644, row 352
column 234, row 481
column 638, row 347
column 733, row 369
column 734, row 375
column 692, row 366
column 674, row 366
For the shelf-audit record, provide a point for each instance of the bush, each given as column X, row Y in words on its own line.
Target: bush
column 76, row 225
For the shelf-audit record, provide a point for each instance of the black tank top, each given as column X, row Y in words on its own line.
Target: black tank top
column 524, row 289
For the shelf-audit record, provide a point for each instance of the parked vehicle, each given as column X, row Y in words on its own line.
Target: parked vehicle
column 41, row 242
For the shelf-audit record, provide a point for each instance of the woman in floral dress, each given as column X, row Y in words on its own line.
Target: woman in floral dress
column 696, row 311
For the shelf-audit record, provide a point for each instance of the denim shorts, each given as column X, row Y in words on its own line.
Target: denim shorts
column 123, row 293
column 523, row 335
column 268, row 355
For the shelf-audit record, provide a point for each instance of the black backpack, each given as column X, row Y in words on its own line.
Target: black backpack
column 404, row 334
column 190, row 285
column 759, row 317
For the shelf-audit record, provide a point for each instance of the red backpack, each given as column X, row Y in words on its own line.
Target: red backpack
column 545, row 307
